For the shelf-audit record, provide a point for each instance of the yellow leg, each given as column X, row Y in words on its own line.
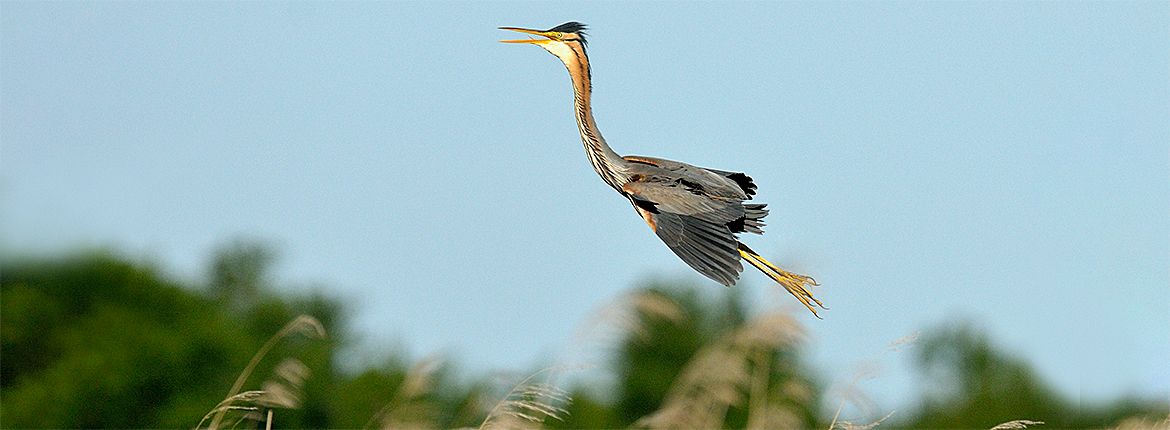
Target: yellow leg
column 793, row 282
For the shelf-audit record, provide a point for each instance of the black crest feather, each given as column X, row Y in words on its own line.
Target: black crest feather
column 572, row 27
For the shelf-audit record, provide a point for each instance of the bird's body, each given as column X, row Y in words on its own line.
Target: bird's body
column 696, row 211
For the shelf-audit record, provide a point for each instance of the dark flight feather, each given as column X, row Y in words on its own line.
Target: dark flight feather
column 708, row 248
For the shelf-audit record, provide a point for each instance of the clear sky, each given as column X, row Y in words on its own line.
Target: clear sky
column 1005, row 162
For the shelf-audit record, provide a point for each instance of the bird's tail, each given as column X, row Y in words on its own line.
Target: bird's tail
column 794, row 283
column 753, row 217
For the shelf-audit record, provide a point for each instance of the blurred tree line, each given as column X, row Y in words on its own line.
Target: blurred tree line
column 95, row 340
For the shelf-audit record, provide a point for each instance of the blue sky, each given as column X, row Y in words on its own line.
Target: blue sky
column 1003, row 162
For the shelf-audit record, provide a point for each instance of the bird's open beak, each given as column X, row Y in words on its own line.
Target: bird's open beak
column 528, row 31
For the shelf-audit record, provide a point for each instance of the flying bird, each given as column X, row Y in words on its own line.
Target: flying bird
column 697, row 211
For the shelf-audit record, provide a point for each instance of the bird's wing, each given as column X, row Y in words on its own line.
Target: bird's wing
column 715, row 182
column 692, row 224
column 682, row 196
column 744, row 181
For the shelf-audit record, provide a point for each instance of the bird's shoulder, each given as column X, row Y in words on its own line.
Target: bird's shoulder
column 695, row 179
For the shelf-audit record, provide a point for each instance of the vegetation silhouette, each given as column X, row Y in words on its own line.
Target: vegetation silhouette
column 97, row 340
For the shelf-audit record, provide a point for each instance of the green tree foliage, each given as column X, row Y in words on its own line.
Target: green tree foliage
column 972, row 384
column 95, row 341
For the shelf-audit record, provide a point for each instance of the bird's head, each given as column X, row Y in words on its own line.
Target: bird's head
column 566, row 41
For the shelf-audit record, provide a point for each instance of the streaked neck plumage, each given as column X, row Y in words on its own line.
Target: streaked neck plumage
column 607, row 163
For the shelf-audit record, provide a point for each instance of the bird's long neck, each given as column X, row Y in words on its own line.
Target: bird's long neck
column 607, row 163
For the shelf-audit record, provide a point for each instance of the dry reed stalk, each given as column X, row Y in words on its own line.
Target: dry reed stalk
column 527, row 405
column 281, row 391
column 851, row 393
column 291, row 375
column 284, row 391
column 1017, row 424
column 409, row 408
column 725, row 374
column 1143, row 423
column 846, row 425
column 629, row 314
column 904, row 341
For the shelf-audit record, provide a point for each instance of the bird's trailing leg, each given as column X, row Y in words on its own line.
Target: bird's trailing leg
column 795, row 283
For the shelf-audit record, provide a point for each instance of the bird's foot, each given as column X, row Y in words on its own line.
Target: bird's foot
column 797, row 285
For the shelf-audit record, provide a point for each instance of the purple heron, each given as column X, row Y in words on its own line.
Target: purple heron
column 696, row 211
